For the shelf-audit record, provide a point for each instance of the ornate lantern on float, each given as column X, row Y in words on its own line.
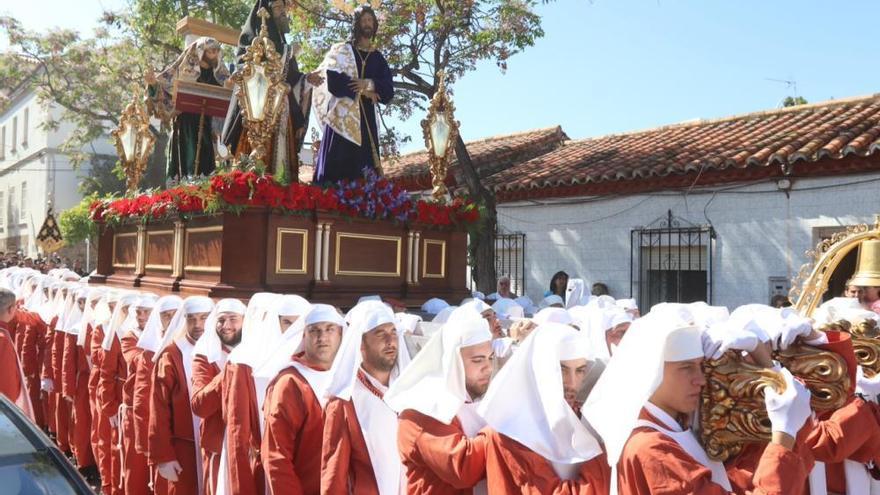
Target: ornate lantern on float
column 440, row 130
column 261, row 90
column 134, row 141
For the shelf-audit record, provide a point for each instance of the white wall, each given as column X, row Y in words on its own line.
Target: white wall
column 760, row 232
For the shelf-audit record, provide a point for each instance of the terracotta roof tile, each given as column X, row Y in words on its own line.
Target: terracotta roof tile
column 489, row 155
column 782, row 137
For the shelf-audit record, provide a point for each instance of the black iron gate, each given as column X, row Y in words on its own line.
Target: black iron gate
column 671, row 261
column 510, row 259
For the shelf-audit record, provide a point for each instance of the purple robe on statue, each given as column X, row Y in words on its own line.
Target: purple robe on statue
column 339, row 158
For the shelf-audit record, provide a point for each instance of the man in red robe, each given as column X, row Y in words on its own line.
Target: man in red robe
column 64, row 300
column 74, row 377
column 642, row 405
column 101, row 434
column 32, row 329
column 149, row 341
column 135, row 471
column 269, row 324
column 360, row 431
column 113, row 376
column 11, row 377
column 440, row 436
column 294, row 407
column 222, row 333
column 538, row 444
column 172, row 434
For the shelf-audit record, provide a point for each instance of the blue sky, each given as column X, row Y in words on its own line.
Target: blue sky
column 608, row 66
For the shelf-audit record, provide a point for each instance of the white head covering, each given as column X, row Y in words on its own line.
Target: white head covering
column 526, row 400
column 475, row 305
column 365, row 316
column 434, row 305
column 635, row 372
column 553, row 315
column 262, row 328
column 527, row 304
column 130, row 324
column 97, row 312
column 118, row 317
column 444, row 314
column 72, row 313
column 507, row 309
column 407, row 323
column 434, row 382
column 177, row 328
column 575, row 292
column 627, row 304
column 209, row 344
column 551, row 300
column 835, row 309
column 152, row 336
column 478, row 295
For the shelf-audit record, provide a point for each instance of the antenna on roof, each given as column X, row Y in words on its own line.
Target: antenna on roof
column 790, row 84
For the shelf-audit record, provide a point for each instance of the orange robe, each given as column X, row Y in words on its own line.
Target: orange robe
column 49, row 399
column 74, row 384
column 293, row 436
column 850, row 433
column 513, row 468
column 10, row 372
column 112, row 376
column 171, row 436
column 32, row 331
column 207, row 382
column 243, row 428
column 345, row 460
column 62, row 405
column 135, row 472
column 652, row 462
column 440, row 459
column 143, row 377
column 101, row 431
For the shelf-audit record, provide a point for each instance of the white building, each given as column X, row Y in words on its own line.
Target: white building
column 719, row 210
column 33, row 169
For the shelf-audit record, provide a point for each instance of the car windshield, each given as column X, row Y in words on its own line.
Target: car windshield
column 24, row 468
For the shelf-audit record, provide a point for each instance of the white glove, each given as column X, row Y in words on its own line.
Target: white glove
column 869, row 387
column 114, row 421
column 721, row 337
column 790, row 410
column 47, row 385
column 793, row 326
column 170, row 470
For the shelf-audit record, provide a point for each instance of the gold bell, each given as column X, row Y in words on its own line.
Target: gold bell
column 868, row 266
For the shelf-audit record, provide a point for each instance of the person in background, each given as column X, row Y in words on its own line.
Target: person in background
column 502, row 289
column 780, row 301
column 599, row 289
column 558, row 285
column 851, row 290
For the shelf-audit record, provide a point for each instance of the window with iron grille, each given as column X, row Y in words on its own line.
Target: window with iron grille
column 671, row 261
column 510, row 259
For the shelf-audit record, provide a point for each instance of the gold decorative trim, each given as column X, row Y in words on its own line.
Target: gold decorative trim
column 811, row 282
column 116, row 263
column 147, row 252
column 397, row 240
column 435, row 242
column 199, row 268
column 278, row 249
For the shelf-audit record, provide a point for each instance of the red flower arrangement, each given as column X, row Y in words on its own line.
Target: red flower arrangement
column 372, row 197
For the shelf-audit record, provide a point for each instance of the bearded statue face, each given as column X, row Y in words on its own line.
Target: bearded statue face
column 280, row 16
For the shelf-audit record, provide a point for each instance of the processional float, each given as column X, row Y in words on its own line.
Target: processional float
column 732, row 412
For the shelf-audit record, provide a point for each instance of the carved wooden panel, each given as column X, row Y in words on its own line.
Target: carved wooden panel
column 204, row 249
column 125, row 250
column 368, row 255
column 433, row 258
column 291, row 251
column 160, row 250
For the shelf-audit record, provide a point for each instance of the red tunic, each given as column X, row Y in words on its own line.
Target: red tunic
column 345, row 460
column 243, row 437
column 32, row 331
column 652, row 462
column 143, row 377
column 207, row 382
column 170, row 432
column 440, row 458
column 10, row 373
column 101, row 432
column 62, row 406
column 293, row 437
column 136, row 473
column 49, row 399
column 74, row 385
column 513, row 468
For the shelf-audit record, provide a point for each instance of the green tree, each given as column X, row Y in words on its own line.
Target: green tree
column 793, row 101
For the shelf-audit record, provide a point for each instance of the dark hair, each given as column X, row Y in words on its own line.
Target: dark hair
column 599, row 289
column 780, row 301
column 356, row 26
column 7, row 299
column 557, row 275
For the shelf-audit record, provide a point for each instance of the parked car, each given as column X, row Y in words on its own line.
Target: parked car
column 30, row 463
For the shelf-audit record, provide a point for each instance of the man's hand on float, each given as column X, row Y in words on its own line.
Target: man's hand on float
column 170, row 470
